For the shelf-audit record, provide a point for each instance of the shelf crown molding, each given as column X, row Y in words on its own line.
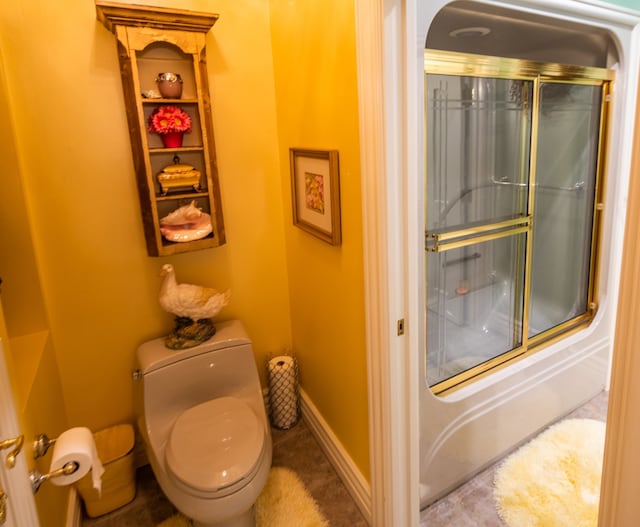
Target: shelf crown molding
column 113, row 14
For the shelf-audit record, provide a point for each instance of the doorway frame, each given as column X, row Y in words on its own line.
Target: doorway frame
column 387, row 55
column 618, row 501
column 15, row 481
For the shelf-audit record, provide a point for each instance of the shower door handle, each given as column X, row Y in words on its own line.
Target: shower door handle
column 443, row 241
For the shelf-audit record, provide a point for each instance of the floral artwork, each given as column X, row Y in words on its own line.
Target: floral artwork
column 314, row 192
column 167, row 119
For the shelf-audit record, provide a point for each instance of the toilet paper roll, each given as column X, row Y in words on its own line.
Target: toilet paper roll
column 283, row 391
column 77, row 445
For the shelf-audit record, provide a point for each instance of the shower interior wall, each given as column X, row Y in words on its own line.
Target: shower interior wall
column 462, row 432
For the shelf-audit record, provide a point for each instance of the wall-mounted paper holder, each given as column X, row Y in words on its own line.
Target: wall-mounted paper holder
column 41, row 444
column 38, row 479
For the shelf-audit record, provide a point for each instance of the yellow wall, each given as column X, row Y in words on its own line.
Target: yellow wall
column 317, row 106
column 18, row 269
column 28, row 351
column 98, row 286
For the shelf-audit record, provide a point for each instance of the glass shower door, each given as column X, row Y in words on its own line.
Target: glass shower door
column 478, row 157
column 512, row 207
column 566, row 176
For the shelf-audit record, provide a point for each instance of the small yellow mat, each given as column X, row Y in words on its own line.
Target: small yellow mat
column 284, row 502
column 554, row 480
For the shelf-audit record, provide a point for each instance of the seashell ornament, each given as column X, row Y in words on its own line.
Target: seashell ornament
column 185, row 224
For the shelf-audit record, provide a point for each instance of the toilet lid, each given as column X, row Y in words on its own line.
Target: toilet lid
column 215, row 444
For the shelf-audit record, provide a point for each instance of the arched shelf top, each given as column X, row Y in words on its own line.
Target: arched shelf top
column 113, row 14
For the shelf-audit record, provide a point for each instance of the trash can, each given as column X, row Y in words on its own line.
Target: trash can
column 115, row 450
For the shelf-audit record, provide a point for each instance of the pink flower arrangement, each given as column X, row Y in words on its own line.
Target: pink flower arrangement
column 167, row 119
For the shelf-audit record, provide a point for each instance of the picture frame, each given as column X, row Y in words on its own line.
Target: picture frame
column 315, row 193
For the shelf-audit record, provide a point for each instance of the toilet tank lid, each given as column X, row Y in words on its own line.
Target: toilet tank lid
column 153, row 355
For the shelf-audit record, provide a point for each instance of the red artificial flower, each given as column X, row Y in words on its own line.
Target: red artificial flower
column 166, row 119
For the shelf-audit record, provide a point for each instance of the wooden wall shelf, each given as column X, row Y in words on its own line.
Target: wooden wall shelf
column 154, row 40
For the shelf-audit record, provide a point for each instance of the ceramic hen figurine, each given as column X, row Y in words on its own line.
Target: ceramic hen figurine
column 192, row 301
column 193, row 306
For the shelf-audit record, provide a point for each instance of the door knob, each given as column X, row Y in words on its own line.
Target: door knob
column 16, row 444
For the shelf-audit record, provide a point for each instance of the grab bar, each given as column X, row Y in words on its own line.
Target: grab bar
column 579, row 185
column 462, row 260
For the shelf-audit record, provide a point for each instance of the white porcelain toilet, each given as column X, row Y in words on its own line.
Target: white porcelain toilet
column 202, row 418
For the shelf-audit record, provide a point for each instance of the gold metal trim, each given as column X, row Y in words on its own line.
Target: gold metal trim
column 447, row 246
column 533, row 167
column 599, row 197
column 457, row 382
column 560, row 330
column 454, row 63
column 466, row 377
column 440, row 241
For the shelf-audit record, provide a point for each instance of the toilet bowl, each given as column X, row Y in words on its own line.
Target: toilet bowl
column 202, row 418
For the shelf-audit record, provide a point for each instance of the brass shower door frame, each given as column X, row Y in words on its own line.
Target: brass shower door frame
column 470, row 65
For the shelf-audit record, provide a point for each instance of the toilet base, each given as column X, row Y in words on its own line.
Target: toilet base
column 246, row 519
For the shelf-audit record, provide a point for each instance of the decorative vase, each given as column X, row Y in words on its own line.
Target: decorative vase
column 170, row 85
column 172, row 139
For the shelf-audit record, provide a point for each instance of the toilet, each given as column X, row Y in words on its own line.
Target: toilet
column 202, row 418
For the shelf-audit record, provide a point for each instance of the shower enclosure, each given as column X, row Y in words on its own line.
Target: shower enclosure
column 514, row 153
column 519, row 206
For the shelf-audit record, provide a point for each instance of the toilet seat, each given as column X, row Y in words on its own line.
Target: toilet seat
column 215, row 447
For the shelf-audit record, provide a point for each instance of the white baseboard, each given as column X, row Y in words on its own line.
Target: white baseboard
column 74, row 511
column 349, row 473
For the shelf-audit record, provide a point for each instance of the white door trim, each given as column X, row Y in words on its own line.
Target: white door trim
column 393, row 395
column 15, row 481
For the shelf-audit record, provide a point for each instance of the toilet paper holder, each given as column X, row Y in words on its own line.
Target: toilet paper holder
column 41, row 444
column 37, row 479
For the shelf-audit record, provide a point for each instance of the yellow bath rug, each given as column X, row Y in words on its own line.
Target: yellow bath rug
column 177, row 520
column 284, row 502
column 554, row 480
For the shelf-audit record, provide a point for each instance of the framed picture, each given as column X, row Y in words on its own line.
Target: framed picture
column 315, row 193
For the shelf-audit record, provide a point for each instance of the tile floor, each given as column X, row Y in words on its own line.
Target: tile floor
column 296, row 449
column 470, row 505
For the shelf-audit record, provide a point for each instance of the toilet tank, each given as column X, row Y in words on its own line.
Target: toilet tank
column 175, row 380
